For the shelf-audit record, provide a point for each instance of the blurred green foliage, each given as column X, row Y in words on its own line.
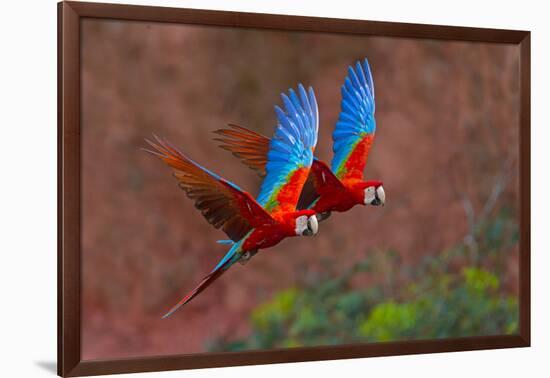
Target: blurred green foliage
column 455, row 293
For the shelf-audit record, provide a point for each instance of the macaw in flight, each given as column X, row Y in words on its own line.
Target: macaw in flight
column 342, row 186
column 262, row 223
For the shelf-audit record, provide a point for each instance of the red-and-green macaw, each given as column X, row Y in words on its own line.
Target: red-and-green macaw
column 262, row 223
column 342, row 186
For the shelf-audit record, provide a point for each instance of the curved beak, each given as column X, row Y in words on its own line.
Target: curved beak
column 313, row 224
column 381, row 195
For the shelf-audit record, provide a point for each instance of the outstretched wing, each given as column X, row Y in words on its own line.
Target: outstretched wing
column 354, row 131
column 251, row 148
column 248, row 146
column 290, row 151
column 221, row 202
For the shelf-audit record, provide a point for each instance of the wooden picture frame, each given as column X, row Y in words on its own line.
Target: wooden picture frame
column 70, row 15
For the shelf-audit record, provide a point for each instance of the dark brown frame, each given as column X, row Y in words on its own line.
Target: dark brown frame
column 70, row 14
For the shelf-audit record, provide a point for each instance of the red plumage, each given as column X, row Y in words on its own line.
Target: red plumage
column 236, row 212
column 323, row 191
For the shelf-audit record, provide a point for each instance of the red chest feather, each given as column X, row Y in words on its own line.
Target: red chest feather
column 265, row 237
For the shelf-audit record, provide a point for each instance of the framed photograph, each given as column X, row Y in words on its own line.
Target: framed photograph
column 217, row 207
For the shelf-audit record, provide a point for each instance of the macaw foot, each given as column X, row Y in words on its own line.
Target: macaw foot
column 322, row 216
column 247, row 256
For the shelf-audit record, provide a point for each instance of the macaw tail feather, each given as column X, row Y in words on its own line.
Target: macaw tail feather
column 213, row 276
column 230, row 258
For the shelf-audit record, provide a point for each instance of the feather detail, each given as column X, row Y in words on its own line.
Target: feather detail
column 248, row 146
column 207, row 281
column 222, row 203
column 231, row 257
column 354, row 131
column 290, row 152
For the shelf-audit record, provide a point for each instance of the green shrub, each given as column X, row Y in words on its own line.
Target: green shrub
column 433, row 300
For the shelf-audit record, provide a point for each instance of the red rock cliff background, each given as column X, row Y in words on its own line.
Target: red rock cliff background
column 447, row 116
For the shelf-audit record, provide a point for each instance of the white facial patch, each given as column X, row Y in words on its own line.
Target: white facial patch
column 370, row 195
column 301, row 225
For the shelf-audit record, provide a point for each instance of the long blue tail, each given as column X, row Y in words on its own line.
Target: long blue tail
column 232, row 256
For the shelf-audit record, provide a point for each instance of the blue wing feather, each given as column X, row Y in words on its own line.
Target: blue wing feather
column 356, row 116
column 293, row 142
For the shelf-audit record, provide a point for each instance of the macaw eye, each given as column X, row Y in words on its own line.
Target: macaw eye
column 370, row 195
column 375, row 196
column 301, row 225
